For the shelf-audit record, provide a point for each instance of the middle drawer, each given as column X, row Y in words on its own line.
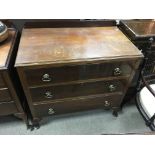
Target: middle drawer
column 75, row 90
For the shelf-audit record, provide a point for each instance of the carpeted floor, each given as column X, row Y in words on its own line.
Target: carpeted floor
column 84, row 123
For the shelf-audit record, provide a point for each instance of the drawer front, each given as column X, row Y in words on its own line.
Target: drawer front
column 2, row 83
column 75, row 90
column 5, row 95
column 86, row 103
column 8, row 108
column 73, row 73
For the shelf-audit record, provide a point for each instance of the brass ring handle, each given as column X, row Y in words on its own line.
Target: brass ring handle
column 106, row 104
column 117, row 71
column 112, row 88
column 46, row 78
column 48, row 95
column 51, row 111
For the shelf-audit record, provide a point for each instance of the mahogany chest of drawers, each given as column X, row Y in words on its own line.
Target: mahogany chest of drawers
column 73, row 69
column 10, row 102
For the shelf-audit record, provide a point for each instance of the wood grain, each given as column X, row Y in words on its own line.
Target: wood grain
column 80, row 63
column 57, row 45
column 63, row 74
column 75, row 90
column 74, row 105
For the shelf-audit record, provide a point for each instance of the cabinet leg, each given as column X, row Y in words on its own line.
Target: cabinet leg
column 115, row 113
column 35, row 124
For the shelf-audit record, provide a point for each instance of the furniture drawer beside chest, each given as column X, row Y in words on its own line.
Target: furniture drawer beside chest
column 73, row 69
column 10, row 104
column 2, row 83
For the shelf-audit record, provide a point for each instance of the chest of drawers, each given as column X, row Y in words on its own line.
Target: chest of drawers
column 10, row 103
column 73, row 69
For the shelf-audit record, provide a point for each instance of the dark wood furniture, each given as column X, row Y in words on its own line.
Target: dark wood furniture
column 72, row 69
column 142, row 34
column 10, row 99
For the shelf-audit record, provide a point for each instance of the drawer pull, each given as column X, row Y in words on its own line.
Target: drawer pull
column 112, row 88
column 107, row 104
column 117, row 71
column 51, row 111
column 48, row 94
column 46, row 78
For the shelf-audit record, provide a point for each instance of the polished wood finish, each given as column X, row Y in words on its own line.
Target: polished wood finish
column 78, row 104
column 72, row 69
column 10, row 103
column 74, row 90
column 76, row 72
column 61, row 45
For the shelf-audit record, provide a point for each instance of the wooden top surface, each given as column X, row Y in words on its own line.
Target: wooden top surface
column 57, row 45
column 5, row 48
column 141, row 28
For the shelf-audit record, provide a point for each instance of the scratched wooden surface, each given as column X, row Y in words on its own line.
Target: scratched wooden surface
column 57, row 45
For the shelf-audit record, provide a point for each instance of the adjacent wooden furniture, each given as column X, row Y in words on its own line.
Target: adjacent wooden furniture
column 10, row 101
column 142, row 34
column 72, row 69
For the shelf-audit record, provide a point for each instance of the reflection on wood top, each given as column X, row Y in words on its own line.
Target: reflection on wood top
column 5, row 48
column 57, row 45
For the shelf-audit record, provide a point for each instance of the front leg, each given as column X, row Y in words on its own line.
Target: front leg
column 115, row 111
column 35, row 123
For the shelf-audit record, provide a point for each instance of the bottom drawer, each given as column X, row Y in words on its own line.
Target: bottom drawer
column 78, row 104
column 2, row 84
column 7, row 108
column 5, row 95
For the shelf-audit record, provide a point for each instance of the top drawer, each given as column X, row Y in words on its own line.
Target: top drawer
column 53, row 75
column 2, row 83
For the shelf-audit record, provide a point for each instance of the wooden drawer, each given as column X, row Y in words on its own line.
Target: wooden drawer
column 75, row 90
column 85, row 103
column 8, row 108
column 2, row 83
column 5, row 95
column 44, row 76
